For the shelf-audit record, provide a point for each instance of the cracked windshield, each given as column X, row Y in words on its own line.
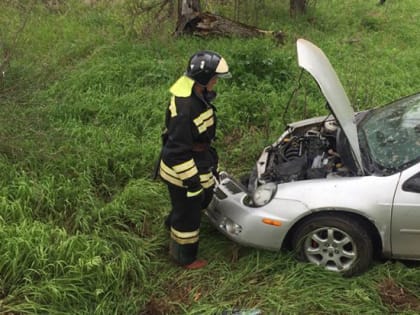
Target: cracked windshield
column 393, row 133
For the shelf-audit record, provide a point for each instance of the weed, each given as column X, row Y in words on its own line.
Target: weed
column 83, row 104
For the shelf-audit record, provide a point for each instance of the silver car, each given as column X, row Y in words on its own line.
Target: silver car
column 338, row 190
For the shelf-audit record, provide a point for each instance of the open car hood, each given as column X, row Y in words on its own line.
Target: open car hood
column 313, row 60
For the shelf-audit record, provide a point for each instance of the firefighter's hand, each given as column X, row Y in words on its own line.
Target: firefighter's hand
column 193, row 185
column 215, row 173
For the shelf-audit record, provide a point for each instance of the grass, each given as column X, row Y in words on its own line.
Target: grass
column 83, row 104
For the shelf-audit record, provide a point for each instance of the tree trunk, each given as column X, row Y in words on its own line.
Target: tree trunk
column 188, row 10
column 192, row 21
column 297, row 7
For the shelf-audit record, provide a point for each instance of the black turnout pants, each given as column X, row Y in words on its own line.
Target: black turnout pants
column 184, row 222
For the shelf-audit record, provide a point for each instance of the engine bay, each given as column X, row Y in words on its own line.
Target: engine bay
column 307, row 152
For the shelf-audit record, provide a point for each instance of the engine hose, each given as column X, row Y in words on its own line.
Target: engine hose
column 290, row 152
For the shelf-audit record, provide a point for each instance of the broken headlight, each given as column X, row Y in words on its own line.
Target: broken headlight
column 263, row 194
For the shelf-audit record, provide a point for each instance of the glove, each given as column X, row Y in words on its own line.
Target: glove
column 193, row 185
column 215, row 173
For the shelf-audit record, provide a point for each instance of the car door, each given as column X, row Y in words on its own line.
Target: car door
column 405, row 235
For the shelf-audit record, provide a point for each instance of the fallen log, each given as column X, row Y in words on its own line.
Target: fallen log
column 205, row 24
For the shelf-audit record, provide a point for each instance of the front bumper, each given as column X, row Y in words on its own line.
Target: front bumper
column 230, row 213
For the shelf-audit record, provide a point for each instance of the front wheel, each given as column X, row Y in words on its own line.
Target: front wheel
column 336, row 242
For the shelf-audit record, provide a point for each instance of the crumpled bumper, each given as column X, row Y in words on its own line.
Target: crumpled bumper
column 231, row 213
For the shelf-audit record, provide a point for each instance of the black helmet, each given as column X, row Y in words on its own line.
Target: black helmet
column 204, row 65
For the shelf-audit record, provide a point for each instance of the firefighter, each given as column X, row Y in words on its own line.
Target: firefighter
column 188, row 161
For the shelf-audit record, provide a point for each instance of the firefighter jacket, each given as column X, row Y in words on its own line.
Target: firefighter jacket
column 187, row 156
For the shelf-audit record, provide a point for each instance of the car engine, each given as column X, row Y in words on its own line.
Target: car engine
column 306, row 153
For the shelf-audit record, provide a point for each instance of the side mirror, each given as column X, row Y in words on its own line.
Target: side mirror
column 412, row 184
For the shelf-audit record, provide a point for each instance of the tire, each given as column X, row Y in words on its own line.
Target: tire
column 337, row 242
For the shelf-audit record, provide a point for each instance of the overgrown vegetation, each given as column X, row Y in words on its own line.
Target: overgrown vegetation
column 83, row 102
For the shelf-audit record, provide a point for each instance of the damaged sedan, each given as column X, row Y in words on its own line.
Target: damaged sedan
column 337, row 190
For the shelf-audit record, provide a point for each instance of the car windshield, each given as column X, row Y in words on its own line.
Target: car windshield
column 392, row 133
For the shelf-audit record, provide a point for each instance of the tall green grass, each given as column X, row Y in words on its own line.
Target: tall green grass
column 83, row 105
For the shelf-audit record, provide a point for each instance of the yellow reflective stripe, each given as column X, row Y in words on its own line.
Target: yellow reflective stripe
column 170, row 179
column 208, row 183
column 204, row 121
column 182, row 167
column 205, row 125
column 183, row 241
column 189, row 173
column 204, row 116
column 176, row 178
column 181, row 171
column 182, row 87
column 202, row 128
column 205, row 177
column 194, row 193
column 210, row 122
column 207, row 180
column 185, row 234
column 168, row 170
column 172, row 107
column 169, row 175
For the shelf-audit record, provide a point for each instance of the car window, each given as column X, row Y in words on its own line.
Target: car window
column 412, row 184
column 393, row 133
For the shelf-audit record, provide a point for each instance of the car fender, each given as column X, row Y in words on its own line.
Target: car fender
column 346, row 195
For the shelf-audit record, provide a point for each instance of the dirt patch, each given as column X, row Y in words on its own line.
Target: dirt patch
column 397, row 298
column 176, row 294
column 158, row 306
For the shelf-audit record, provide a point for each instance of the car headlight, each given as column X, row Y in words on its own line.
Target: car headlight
column 230, row 226
column 263, row 194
